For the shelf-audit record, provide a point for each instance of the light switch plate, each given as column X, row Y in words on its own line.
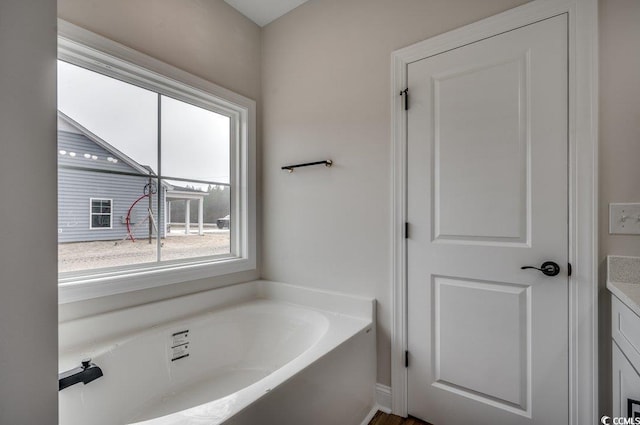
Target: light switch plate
column 624, row 219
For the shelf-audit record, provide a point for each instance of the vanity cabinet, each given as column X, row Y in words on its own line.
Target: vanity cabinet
column 625, row 330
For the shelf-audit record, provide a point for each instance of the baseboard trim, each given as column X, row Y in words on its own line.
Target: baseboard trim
column 383, row 403
column 370, row 415
column 383, row 398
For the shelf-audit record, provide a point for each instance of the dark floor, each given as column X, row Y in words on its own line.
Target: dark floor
column 385, row 419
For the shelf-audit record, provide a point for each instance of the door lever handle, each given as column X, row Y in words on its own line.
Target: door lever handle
column 549, row 268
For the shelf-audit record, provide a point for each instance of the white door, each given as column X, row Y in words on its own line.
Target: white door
column 488, row 194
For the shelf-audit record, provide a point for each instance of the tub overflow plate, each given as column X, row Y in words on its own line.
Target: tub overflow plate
column 179, row 345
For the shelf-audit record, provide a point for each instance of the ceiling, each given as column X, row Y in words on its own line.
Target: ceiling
column 264, row 11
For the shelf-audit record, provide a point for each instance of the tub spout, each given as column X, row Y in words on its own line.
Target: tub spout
column 86, row 373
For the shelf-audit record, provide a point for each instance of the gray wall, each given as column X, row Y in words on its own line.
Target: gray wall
column 326, row 80
column 209, row 39
column 619, row 148
column 28, row 279
column 77, row 187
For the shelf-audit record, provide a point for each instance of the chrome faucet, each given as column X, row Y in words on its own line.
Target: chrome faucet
column 85, row 373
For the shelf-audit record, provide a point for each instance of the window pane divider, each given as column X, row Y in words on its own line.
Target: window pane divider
column 162, row 215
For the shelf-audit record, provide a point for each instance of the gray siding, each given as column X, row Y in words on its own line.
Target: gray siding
column 77, row 187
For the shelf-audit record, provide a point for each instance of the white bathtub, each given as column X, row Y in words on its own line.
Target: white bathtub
column 259, row 353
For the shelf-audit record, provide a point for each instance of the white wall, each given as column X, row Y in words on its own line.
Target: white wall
column 326, row 80
column 619, row 147
column 209, row 39
column 28, row 291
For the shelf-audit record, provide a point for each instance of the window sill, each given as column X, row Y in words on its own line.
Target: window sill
column 101, row 285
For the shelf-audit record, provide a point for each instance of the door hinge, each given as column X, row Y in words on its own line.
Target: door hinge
column 406, row 359
column 405, row 93
column 406, row 230
column 570, row 269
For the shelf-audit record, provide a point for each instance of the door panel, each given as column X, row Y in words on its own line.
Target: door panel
column 465, row 355
column 491, row 172
column 487, row 194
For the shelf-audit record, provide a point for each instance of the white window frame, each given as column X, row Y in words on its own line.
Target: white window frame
column 91, row 51
column 91, row 213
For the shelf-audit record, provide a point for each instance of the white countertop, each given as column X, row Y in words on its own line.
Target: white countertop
column 623, row 280
column 628, row 293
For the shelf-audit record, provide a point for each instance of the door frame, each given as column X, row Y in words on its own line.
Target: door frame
column 583, row 190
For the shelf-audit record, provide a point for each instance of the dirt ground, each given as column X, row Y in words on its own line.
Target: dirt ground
column 92, row 255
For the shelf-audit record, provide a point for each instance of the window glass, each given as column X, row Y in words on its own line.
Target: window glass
column 100, row 213
column 186, row 202
column 195, row 142
column 120, row 113
column 139, row 213
column 195, row 149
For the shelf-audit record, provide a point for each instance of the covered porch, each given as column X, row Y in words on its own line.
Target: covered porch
column 186, row 195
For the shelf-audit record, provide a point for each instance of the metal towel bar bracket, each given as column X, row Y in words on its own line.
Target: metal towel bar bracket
column 290, row 168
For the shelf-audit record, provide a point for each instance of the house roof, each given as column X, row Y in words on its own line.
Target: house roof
column 142, row 169
column 172, row 189
column 185, row 189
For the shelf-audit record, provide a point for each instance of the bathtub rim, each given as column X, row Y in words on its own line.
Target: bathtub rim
column 115, row 325
column 69, row 357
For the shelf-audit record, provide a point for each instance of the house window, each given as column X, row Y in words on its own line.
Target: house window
column 172, row 157
column 100, row 213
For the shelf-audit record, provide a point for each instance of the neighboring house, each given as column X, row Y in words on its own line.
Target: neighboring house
column 96, row 190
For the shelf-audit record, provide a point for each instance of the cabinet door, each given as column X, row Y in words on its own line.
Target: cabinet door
column 626, row 386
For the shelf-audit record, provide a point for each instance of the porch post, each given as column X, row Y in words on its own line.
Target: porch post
column 167, row 215
column 201, row 216
column 187, row 216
